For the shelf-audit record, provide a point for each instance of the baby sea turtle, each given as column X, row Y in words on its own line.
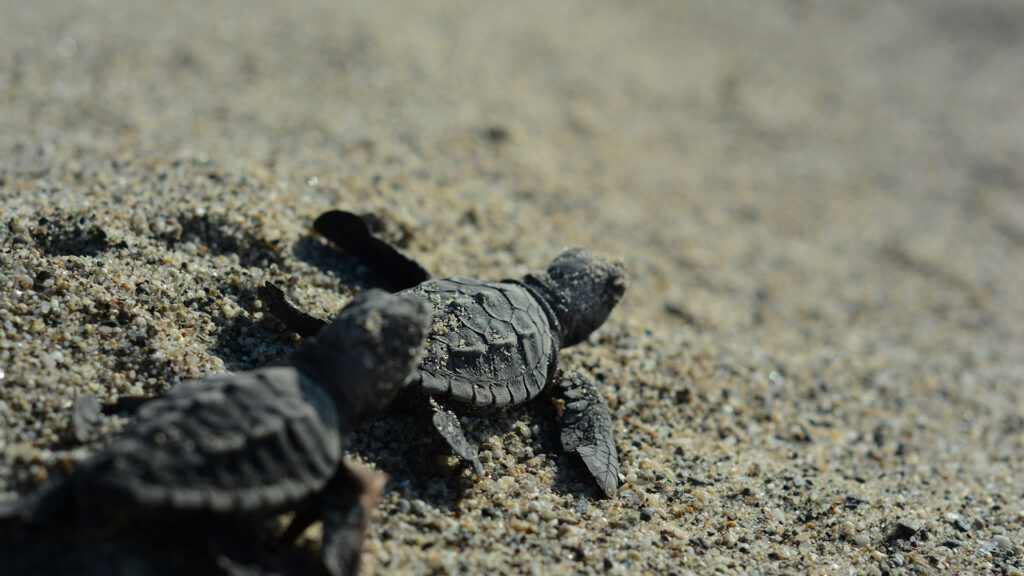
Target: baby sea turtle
column 494, row 344
column 258, row 443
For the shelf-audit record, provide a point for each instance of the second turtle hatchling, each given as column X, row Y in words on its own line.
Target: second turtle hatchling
column 252, row 445
column 494, row 344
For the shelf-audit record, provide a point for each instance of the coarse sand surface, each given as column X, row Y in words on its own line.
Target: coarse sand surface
column 818, row 364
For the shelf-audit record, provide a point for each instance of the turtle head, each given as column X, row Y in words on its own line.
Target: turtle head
column 366, row 355
column 581, row 288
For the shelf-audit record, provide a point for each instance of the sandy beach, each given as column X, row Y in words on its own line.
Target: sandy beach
column 819, row 361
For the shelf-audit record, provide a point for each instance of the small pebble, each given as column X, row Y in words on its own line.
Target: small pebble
column 952, row 543
column 683, row 396
column 905, row 528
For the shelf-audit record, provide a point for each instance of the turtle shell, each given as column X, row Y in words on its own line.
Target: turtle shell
column 258, row 441
column 490, row 344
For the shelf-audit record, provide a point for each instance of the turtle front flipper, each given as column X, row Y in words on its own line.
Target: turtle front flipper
column 447, row 424
column 587, row 429
column 352, row 235
column 348, row 505
column 294, row 318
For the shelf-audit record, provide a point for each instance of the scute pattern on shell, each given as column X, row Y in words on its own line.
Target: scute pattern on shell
column 490, row 344
column 253, row 441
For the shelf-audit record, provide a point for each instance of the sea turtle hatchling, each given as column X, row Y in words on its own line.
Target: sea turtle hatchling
column 258, row 443
column 494, row 344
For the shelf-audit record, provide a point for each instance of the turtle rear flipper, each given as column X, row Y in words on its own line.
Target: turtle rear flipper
column 294, row 318
column 351, row 234
column 587, row 429
column 447, row 425
column 348, row 505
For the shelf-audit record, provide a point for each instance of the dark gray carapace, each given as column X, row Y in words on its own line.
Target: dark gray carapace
column 492, row 344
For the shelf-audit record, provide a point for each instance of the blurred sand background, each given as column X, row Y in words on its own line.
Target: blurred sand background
column 818, row 365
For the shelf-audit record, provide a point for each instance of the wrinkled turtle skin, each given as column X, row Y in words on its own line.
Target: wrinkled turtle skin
column 258, row 443
column 494, row 344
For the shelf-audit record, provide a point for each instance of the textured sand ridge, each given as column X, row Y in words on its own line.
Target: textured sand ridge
column 817, row 367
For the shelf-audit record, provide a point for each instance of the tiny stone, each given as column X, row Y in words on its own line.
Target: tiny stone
column 506, row 483
column 496, row 134
column 520, row 525
column 778, row 514
column 905, row 528
column 683, row 396
column 700, row 542
column 847, row 527
column 1002, row 542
